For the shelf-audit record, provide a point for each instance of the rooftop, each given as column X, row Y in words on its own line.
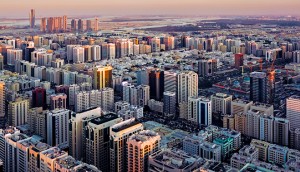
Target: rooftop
column 175, row 159
column 125, row 124
column 53, row 152
column 143, row 136
column 68, row 162
column 103, row 119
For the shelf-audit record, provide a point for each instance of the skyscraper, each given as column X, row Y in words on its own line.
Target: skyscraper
column 18, row 111
column 293, row 111
column 281, row 131
column 74, row 25
column 200, row 110
column 43, row 26
column 2, row 99
column 187, row 85
column 221, row 103
column 77, row 125
column 262, row 87
column 39, row 97
column 238, row 60
column 169, row 104
column 140, row 146
column 64, row 23
column 207, row 67
column 58, row 128
column 102, row 77
column 96, row 24
column 118, row 144
column 32, row 18
column 97, row 136
column 80, row 25
column 156, row 81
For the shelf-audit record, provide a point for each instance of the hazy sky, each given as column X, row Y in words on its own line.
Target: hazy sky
column 19, row 8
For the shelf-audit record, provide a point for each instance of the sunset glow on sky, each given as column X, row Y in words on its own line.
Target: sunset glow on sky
column 20, row 8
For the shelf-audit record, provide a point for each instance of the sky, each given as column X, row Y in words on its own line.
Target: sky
column 44, row 8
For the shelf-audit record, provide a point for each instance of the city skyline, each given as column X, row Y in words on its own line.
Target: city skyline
column 147, row 7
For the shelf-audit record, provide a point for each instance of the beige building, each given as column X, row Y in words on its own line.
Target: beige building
column 48, row 158
column 77, row 125
column 239, row 105
column 229, row 121
column 18, row 111
column 263, row 108
column 221, row 103
column 139, row 147
column 187, row 86
column 2, row 99
column 262, row 147
column 118, row 143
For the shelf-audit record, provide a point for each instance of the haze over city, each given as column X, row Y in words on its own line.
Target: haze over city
column 149, row 7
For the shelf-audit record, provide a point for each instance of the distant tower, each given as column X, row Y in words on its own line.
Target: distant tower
column 2, row 99
column 73, row 25
column 32, row 18
column 43, row 24
column 96, row 27
column 65, row 23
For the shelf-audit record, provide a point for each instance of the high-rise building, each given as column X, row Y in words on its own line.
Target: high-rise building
column 266, row 128
column 64, row 23
column 136, row 95
column 187, row 86
column 140, row 146
column 97, row 136
column 156, row 81
column 262, row 147
column 170, row 107
column 58, row 101
column 18, row 112
column 80, row 25
column 111, row 51
column 170, row 81
column 229, row 121
column 82, row 101
column 35, row 154
column 48, row 158
column 281, row 131
column 155, row 45
column 77, row 124
column 39, row 97
column 96, row 24
column 107, row 102
column 32, row 18
column 200, row 110
column 221, row 103
column 78, row 55
column 74, row 25
column 118, row 143
column 4, row 135
column 96, row 53
column 1, row 62
column 277, row 154
column 238, row 60
column 293, row 111
column 262, row 87
column 240, row 106
column 253, row 123
column 2, row 99
column 13, row 55
column 102, row 77
column 11, row 158
column 240, row 123
column 58, row 128
column 207, row 67
column 22, row 153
